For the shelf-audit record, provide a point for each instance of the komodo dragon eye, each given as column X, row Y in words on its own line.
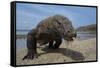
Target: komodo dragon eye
column 68, row 31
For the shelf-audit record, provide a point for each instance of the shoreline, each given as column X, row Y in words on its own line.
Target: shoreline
column 77, row 51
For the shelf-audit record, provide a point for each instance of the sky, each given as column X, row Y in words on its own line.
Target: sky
column 29, row 15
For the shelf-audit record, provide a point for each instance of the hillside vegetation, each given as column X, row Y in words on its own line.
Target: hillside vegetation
column 91, row 27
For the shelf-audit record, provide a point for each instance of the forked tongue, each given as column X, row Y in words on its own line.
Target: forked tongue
column 67, row 44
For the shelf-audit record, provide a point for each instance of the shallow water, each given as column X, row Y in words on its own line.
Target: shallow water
column 21, row 42
column 85, row 35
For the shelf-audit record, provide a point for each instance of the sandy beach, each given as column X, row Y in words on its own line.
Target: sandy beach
column 77, row 51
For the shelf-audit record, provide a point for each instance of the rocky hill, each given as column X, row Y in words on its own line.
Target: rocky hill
column 91, row 27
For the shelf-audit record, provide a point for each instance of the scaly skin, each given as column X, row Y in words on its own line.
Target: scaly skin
column 51, row 29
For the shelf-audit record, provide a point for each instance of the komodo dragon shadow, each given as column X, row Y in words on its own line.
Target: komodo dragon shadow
column 75, row 55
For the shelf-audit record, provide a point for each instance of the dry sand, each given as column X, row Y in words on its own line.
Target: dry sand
column 77, row 51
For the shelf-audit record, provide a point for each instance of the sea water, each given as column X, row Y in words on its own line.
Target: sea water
column 21, row 42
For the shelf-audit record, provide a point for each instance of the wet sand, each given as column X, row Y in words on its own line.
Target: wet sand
column 77, row 51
